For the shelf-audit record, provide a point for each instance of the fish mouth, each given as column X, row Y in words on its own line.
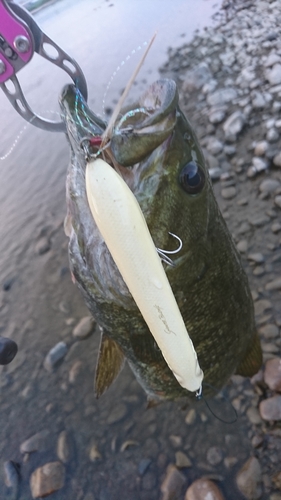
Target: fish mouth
column 139, row 129
column 81, row 122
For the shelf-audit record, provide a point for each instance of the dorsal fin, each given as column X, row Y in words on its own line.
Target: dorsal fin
column 109, row 365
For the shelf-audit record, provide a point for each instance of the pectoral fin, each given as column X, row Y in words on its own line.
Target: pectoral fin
column 110, row 363
column 252, row 361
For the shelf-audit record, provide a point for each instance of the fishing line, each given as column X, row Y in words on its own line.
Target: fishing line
column 199, row 396
column 128, row 57
column 18, row 137
column 78, row 98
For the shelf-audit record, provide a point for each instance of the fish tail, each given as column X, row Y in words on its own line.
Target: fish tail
column 252, row 360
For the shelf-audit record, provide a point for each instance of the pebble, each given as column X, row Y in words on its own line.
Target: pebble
column 230, row 150
column 118, row 412
column 274, row 285
column 94, row 453
column 242, row 246
column 272, row 374
column 254, row 416
column 209, row 87
column 243, row 228
column 144, row 465
column 271, row 59
column 277, row 160
column 175, row 440
column 257, row 440
column 269, row 331
column 228, row 193
column 214, row 455
column 55, row 355
column 128, row 444
column 248, row 479
column 234, row 124
column 270, row 347
column 42, row 246
column 230, row 462
column 270, row 409
column 269, row 185
column 259, row 164
column 12, row 477
column 173, row 483
column 215, row 173
column 274, row 75
column 258, row 258
column 74, row 371
column 203, row 489
column 182, row 460
column 84, row 328
column 196, row 78
column 272, row 135
column 276, row 227
column 258, row 271
column 214, row 146
column 261, row 306
column 216, row 115
column 222, row 96
column 190, row 417
column 260, row 148
column 259, row 220
column 8, row 350
column 258, row 100
column 277, row 201
column 47, row 479
column 37, row 442
column 64, row 447
column 277, row 480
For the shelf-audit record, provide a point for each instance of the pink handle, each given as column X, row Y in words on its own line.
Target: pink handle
column 10, row 28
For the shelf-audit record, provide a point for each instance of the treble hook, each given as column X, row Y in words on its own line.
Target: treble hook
column 163, row 253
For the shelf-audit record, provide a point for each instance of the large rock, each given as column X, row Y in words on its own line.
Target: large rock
column 203, row 489
column 248, row 479
column 270, row 409
column 47, row 479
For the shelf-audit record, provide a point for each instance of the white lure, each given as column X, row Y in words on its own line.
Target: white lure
column 125, row 232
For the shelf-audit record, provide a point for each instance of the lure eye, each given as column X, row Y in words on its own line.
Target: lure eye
column 192, row 178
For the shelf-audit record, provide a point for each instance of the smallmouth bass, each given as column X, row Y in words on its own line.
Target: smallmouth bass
column 155, row 150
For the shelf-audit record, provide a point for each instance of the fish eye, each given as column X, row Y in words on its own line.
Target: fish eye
column 192, row 178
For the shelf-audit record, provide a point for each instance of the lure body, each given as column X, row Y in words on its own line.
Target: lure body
column 124, row 229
